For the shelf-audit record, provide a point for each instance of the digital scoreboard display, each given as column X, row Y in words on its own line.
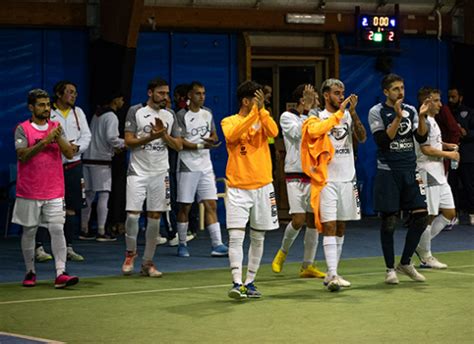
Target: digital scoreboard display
column 375, row 28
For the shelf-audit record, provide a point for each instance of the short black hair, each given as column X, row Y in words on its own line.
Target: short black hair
column 247, row 89
column 60, row 87
column 156, row 82
column 195, row 84
column 425, row 92
column 35, row 94
column 389, row 79
column 298, row 93
column 455, row 87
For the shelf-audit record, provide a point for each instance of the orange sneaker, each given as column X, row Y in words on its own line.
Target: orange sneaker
column 127, row 267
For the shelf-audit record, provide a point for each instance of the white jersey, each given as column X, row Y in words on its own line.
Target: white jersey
column 433, row 166
column 291, row 124
column 151, row 158
column 195, row 126
column 75, row 128
column 342, row 167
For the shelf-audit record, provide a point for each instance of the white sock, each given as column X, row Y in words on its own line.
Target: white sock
column 424, row 246
column 182, row 228
column 438, row 224
column 236, row 254
column 131, row 231
column 311, row 237
column 151, row 236
column 340, row 242
column 28, row 247
column 330, row 252
column 289, row 237
column 215, row 234
column 102, row 211
column 58, row 246
column 255, row 254
column 86, row 212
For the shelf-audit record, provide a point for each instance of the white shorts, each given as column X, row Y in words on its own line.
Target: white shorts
column 97, row 177
column 258, row 206
column 200, row 183
column 299, row 196
column 439, row 197
column 339, row 201
column 31, row 213
column 155, row 189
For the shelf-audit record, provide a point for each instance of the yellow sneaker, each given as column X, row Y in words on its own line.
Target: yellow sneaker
column 311, row 272
column 278, row 261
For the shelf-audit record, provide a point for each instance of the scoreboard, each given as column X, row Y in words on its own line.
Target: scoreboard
column 378, row 28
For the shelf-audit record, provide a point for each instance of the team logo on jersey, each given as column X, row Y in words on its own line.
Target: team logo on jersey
column 146, row 116
column 463, row 114
column 256, row 126
column 405, row 114
column 201, row 131
column 127, row 124
column 243, row 150
column 405, row 127
column 340, row 132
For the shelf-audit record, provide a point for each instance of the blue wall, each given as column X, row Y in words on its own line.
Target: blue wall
column 422, row 62
column 35, row 59
column 184, row 57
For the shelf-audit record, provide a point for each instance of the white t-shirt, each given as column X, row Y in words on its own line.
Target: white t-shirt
column 291, row 128
column 151, row 158
column 433, row 166
column 341, row 168
column 195, row 126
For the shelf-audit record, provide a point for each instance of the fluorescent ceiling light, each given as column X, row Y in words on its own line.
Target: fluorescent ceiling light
column 301, row 18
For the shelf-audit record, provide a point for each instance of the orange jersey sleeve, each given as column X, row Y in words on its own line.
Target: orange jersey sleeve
column 249, row 164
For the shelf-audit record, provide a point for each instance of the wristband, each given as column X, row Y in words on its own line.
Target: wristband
column 200, row 146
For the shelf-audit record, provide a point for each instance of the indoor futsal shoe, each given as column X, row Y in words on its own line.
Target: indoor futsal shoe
column 64, row 280
column 183, row 251
column 220, row 251
column 432, row 263
column 332, row 284
column 391, row 277
column 237, row 292
column 30, row 279
column 127, row 267
column 149, row 269
column 311, row 272
column 278, row 261
column 251, row 291
column 411, row 272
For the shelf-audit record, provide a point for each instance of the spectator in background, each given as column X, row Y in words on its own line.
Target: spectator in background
column 97, row 161
column 465, row 118
column 74, row 123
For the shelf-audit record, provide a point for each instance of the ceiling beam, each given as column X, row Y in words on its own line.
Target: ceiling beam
column 43, row 14
column 268, row 20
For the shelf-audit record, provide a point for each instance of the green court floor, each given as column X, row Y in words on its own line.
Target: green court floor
column 193, row 307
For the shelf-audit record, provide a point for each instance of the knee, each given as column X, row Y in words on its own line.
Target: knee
column 257, row 237
column 449, row 214
column 297, row 221
column 210, row 205
column 389, row 223
column 418, row 221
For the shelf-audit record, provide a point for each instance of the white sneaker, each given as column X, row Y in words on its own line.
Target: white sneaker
column 75, row 257
column 432, row 263
column 411, row 272
column 161, row 240
column 343, row 282
column 332, row 283
column 471, row 219
column 41, row 255
column 175, row 241
column 391, row 277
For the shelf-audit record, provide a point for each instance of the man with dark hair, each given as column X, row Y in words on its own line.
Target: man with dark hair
column 195, row 171
column 250, row 196
column 298, row 186
column 465, row 117
column 74, row 123
column 39, row 143
column 148, row 133
column 439, row 197
column 398, row 186
column 97, row 165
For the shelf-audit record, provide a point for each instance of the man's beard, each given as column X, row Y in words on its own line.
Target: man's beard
column 453, row 106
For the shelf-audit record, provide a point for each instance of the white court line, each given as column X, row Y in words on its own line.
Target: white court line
column 14, row 335
column 197, row 288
